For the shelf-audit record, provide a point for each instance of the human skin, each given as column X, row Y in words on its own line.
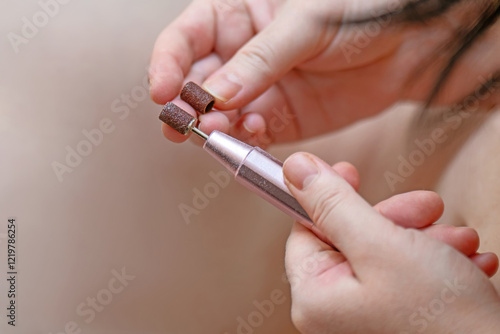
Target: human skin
column 470, row 186
column 419, row 210
column 288, row 55
column 462, row 169
column 352, row 290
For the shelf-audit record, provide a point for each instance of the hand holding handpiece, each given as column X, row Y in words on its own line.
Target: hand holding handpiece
column 263, row 174
column 384, row 278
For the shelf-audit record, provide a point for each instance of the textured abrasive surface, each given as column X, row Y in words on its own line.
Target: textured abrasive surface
column 197, row 98
column 176, row 118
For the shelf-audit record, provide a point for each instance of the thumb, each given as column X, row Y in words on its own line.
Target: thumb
column 348, row 221
column 286, row 42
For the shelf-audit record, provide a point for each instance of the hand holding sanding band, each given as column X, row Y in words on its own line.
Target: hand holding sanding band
column 254, row 168
column 198, row 98
column 309, row 66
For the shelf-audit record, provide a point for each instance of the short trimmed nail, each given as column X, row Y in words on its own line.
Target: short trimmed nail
column 252, row 123
column 248, row 128
column 151, row 75
column 224, row 87
column 300, row 170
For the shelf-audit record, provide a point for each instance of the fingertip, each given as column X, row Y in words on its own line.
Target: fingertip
column 488, row 262
column 172, row 134
column 249, row 128
column 416, row 209
column 254, row 123
column 224, row 85
column 469, row 234
column 464, row 239
column 158, row 95
column 165, row 81
column 349, row 173
column 214, row 121
column 437, row 202
column 300, row 170
column 429, row 201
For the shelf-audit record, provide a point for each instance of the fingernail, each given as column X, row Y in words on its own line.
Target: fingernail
column 248, row 127
column 151, row 75
column 300, row 170
column 224, row 87
column 253, row 123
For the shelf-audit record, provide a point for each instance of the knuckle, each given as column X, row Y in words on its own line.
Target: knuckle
column 258, row 56
column 328, row 201
column 412, row 237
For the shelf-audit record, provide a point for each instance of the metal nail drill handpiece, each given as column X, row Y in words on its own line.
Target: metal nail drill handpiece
column 251, row 166
column 255, row 169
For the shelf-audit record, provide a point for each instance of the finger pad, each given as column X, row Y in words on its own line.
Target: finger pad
column 488, row 262
column 173, row 135
column 349, row 173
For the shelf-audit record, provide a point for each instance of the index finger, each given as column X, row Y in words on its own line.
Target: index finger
column 190, row 37
column 307, row 256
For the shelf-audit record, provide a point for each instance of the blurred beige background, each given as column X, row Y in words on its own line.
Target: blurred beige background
column 118, row 208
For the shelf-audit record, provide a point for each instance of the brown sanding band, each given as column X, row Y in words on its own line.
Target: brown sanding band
column 177, row 118
column 197, row 98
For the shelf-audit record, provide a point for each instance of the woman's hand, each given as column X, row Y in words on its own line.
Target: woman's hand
column 285, row 70
column 420, row 210
column 386, row 278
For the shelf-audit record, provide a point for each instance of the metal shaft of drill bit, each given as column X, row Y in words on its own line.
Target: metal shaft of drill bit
column 200, row 133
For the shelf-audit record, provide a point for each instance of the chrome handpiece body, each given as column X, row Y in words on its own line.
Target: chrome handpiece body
column 258, row 171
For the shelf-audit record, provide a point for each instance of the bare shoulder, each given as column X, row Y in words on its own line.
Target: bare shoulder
column 471, row 186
